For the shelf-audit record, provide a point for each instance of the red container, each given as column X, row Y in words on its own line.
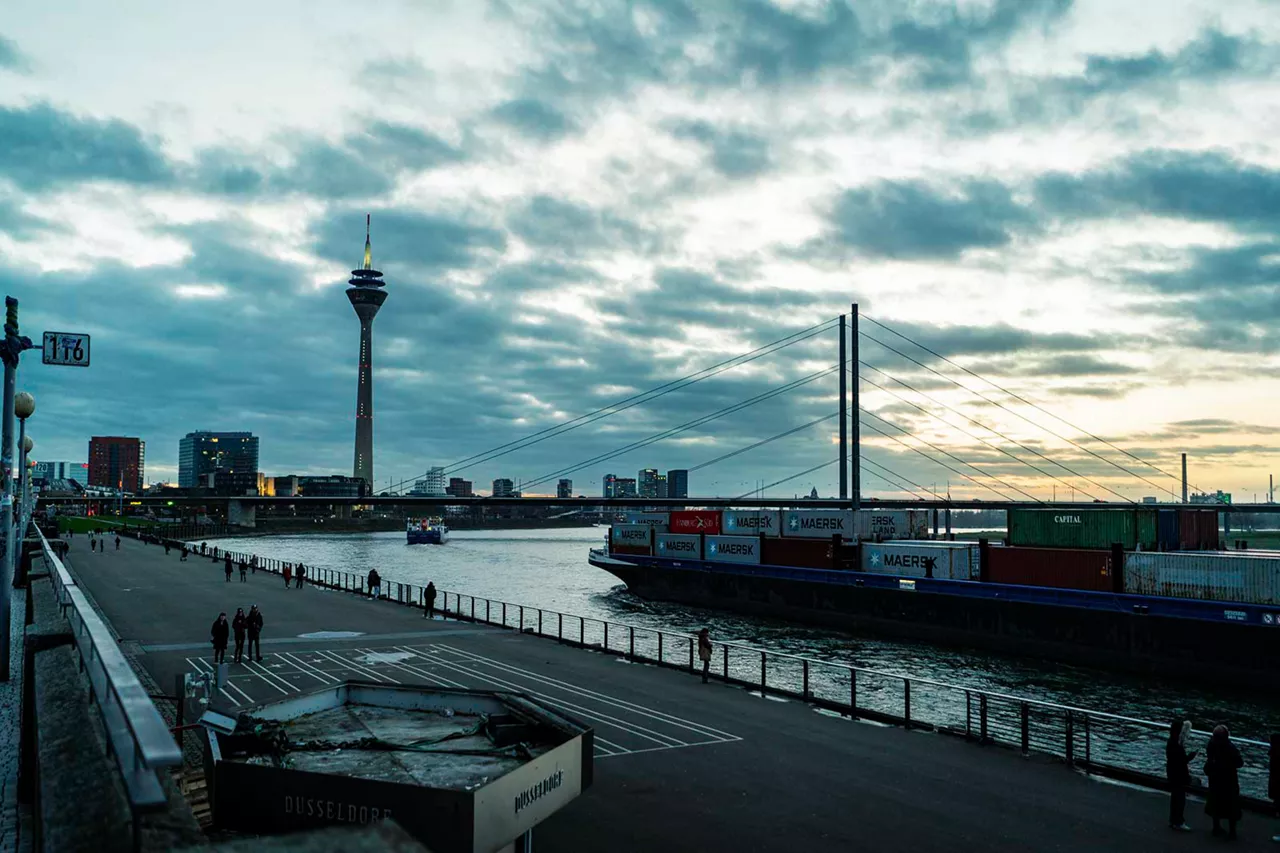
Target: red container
column 1063, row 568
column 1198, row 529
column 801, row 553
column 696, row 521
column 640, row 550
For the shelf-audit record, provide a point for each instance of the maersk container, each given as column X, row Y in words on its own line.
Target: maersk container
column 731, row 549
column 1198, row 529
column 678, row 546
column 1063, row 568
column 1134, row 529
column 946, row 560
column 801, row 553
column 631, row 534
column 879, row 525
column 1206, row 575
column 695, row 521
column 657, row 520
column 818, row 523
column 749, row 522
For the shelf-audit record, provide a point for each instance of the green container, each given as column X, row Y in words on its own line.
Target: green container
column 1083, row 528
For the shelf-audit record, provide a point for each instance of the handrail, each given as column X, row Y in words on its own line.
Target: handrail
column 137, row 736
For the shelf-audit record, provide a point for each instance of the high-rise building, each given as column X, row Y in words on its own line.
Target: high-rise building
column 648, row 483
column 678, row 483
column 366, row 295
column 459, row 488
column 610, row 488
column 233, row 456
column 431, row 486
column 624, row 487
column 503, row 488
column 117, row 462
column 75, row 471
column 660, row 486
column 564, row 489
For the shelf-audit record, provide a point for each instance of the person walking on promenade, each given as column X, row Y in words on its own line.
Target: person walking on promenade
column 704, row 652
column 375, row 583
column 202, row 548
column 244, row 571
column 183, row 558
column 227, row 568
column 166, row 547
column 238, row 626
column 254, row 625
column 300, row 575
column 253, row 563
column 219, row 634
column 215, row 552
column 288, row 574
column 429, row 601
column 1176, row 759
column 117, row 541
column 1221, row 766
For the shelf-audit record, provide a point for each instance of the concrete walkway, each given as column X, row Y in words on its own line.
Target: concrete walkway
column 681, row 766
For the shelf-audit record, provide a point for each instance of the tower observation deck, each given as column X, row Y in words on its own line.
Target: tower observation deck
column 365, row 290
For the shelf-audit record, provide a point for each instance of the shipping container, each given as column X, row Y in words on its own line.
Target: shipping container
column 818, row 523
column 731, row 549
column 1198, row 529
column 631, row 534
column 923, row 559
column 695, row 521
column 1134, row 529
column 878, row 525
column 1207, row 575
column 656, row 520
column 678, row 546
column 633, row 550
column 1064, row 568
column 745, row 522
column 1167, row 532
column 801, row 553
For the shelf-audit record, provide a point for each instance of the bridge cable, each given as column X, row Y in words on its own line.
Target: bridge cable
column 741, row 450
column 893, row 473
column 874, row 428
column 786, row 479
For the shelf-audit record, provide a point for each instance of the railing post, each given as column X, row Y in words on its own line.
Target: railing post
column 539, row 621
column 487, row 620
column 763, row 680
column 1088, row 742
column 659, row 647
column 968, row 714
column 582, row 631
column 504, row 614
column 691, row 654
column 726, row 663
column 1071, row 741
column 473, row 608
column 805, row 693
column 982, row 718
column 606, row 635
column 521, row 618
column 560, row 627
column 633, row 642
column 906, row 702
column 1025, row 713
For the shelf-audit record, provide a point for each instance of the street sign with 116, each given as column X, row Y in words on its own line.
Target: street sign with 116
column 70, row 348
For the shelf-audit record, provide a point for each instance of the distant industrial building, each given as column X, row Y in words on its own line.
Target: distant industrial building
column 459, row 488
column 1150, row 499
column 75, row 471
column 503, row 488
column 678, row 483
column 117, row 462
column 1219, row 497
column 331, row 486
column 232, row 456
column 564, row 489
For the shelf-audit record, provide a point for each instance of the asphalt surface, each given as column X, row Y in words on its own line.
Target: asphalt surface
column 680, row 766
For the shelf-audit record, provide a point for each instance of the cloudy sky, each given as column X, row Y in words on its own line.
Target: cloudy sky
column 576, row 202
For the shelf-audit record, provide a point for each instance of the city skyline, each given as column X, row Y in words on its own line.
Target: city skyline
column 1075, row 200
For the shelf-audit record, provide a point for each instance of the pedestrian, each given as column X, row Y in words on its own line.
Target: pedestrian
column 93, row 545
column 300, row 574
column 227, row 568
column 1273, row 777
column 166, row 547
column 288, row 574
column 202, row 548
column 183, row 558
column 254, row 624
column 704, row 652
column 1221, row 766
column 1176, row 759
column 429, row 600
column 253, row 563
column 238, row 626
column 244, row 571
column 117, row 541
column 375, row 583
column 219, row 634
column 215, row 552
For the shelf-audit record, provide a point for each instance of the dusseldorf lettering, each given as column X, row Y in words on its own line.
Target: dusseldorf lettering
column 333, row 810
column 526, row 798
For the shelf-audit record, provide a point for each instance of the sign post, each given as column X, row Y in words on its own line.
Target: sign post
column 66, row 348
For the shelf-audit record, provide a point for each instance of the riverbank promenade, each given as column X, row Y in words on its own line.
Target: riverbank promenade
column 680, row 766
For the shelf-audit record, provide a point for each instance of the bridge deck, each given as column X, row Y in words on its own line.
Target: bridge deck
column 682, row 765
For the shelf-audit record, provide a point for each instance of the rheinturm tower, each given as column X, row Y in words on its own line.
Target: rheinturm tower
column 365, row 290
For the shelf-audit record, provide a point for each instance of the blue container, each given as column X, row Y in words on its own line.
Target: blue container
column 1167, row 530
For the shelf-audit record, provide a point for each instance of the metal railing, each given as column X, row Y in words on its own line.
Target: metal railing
column 137, row 736
column 1099, row 742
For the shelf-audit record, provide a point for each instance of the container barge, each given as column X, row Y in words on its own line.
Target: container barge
column 1139, row 590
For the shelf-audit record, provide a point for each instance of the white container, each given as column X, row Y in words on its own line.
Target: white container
column 1206, row 575
column 880, row 524
column 818, row 523
column 630, row 534
column 750, row 522
column 678, row 546
column 731, row 549
column 944, row 560
column 657, row 520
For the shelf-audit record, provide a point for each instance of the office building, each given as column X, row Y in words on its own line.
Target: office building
column 459, row 488
column 202, row 453
column 624, row 487
column 280, row 487
column 678, row 483
column 117, row 462
column 75, row 471
column 431, row 486
column 651, row 484
column 610, row 487
column 331, row 486
column 564, row 489
column 504, row 488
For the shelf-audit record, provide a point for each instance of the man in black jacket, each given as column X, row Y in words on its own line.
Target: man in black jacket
column 254, row 624
column 219, row 633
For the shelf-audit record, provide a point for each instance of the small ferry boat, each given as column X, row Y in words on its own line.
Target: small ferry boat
column 426, row 531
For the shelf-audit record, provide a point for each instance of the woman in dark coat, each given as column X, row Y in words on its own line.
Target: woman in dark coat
column 238, row 626
column 1176, row 759
column 218, row 633
column 1221, row 766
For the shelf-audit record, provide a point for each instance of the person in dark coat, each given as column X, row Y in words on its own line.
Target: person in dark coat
column 1221, row 767
column 300, row 575
column 226, row 567
column 183, row 558
column 1176, row 759
column 375, row 583
column 253, row 563
column 166, row 547
column 704, row 652
column 429, row 600
column 253, row 623
column 219, row 633
column 244, row 571
column 238, row 626
column 117, row 541
column 203, row 547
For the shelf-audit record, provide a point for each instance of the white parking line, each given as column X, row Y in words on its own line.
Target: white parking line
column 439, row 680
column 264, row 673
column 376, row 676
column 308, row 669
column 203, row 666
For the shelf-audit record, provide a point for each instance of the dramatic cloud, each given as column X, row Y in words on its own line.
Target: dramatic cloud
column 12, row 59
